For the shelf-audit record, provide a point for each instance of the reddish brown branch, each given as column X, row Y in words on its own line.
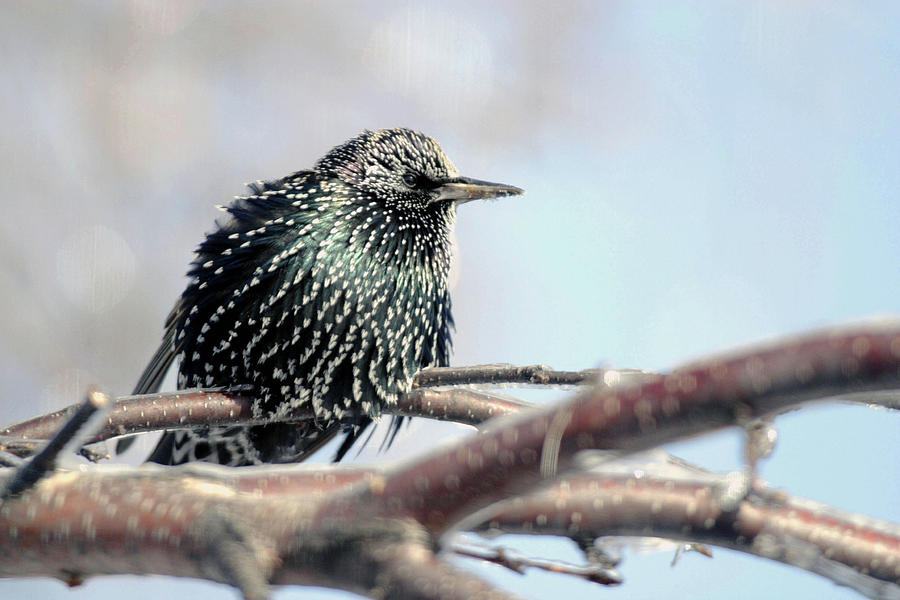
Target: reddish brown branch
column 458, row 405
column 199, row 408
column 177, row 521
column 151, row 412
column 446, row 486
column 505, row 374
column 792, row 531
column 209, row 522
column 383, row 523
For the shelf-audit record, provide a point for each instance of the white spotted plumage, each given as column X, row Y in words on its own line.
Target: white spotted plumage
column 326, row 291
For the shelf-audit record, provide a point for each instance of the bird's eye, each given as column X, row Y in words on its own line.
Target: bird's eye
column 411, row 180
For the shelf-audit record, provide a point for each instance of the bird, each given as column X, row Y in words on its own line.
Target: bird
column 324, row 291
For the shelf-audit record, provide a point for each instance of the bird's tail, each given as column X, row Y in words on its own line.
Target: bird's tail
column 152, row 377
column 260, row 444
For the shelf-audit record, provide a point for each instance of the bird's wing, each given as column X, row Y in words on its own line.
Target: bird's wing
column 152, row 377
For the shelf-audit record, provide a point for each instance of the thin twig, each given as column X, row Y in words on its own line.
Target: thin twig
column 153, row 412
column 506, row 374
column 702, row 549
column 458, row 405
column 517, row 562
column 195, row 408
column 45, row 460
column 20, row 447
column 8, row 459
column 25, row 447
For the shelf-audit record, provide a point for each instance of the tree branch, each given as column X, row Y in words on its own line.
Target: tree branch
column 458, row 405
column 374, row 531
column 151, row 412
column 44, row 461
column 503, row 374
column 847, row 548
column 198, row 408
column 446, row 486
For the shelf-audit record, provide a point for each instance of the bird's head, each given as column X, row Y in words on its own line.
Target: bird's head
column 405, row 167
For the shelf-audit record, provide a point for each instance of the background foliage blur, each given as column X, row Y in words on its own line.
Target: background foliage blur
column 699, row 175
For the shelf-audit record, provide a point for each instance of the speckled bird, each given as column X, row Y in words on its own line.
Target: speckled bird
column 324, row 291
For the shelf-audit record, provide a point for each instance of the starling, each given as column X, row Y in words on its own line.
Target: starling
column 324, row 291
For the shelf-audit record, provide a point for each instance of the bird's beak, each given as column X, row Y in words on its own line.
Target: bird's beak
column 463, row 189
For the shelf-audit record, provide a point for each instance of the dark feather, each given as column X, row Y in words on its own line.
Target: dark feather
column 325, row 291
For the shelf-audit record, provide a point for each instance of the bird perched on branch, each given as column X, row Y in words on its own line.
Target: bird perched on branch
column 324, row 291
